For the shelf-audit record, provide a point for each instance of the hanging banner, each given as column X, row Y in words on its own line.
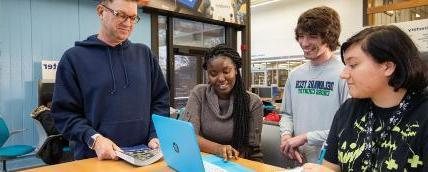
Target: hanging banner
column 418, row 31
column 231, row 11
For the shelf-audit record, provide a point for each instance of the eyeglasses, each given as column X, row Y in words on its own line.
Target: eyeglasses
column 124, row 17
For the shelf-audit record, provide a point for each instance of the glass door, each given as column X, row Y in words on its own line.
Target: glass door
column 187, row 71
column 190, row 41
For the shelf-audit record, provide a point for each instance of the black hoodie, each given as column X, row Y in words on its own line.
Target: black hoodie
column 108, row 90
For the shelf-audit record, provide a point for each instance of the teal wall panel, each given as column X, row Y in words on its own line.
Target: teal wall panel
column 36, row 30
column 142, row 30
column 88, row 19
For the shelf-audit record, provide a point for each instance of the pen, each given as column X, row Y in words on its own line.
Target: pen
column 322, row 153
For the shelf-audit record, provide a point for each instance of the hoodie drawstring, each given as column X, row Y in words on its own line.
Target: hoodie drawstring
column 124, row 71
column 113, row 90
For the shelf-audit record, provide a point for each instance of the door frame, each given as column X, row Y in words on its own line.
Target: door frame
column 231, row 35
column 186, row 51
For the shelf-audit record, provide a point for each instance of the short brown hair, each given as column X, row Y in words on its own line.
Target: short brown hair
column 322, row 21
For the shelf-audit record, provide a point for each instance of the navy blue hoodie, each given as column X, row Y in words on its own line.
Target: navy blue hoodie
column 108, row 90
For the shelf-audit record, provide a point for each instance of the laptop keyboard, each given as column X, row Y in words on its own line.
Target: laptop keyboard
column 209, row 167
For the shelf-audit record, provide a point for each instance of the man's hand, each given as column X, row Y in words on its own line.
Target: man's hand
column 105, row 148
column 227, row 152
column 290, row 146
column 284, row 139
column 154, row 143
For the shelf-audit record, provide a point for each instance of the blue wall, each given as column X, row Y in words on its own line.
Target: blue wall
column 35, row 30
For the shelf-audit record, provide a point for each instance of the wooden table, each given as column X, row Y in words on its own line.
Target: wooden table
column 95, row 165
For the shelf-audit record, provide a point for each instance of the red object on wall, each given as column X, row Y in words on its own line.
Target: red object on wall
column 244, row 47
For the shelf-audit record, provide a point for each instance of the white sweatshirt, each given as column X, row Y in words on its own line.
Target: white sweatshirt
column 312, row 95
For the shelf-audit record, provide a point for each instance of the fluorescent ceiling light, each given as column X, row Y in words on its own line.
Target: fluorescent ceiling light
column 264, row 3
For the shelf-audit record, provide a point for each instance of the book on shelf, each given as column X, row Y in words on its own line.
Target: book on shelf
column 140, row 155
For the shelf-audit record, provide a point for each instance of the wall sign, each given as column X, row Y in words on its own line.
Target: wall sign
column 49, row 69
column 418, row 31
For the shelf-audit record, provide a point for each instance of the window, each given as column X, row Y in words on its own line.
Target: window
column 185, row 76
column 197, row 34
column 272, row 73
column 258, row 78
column 162, row 44
column 272, row 77
column 393, row 11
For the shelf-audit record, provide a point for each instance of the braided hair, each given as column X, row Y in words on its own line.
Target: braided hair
column 241, row 111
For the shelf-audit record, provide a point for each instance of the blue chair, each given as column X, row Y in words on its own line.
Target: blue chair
column 14, row 151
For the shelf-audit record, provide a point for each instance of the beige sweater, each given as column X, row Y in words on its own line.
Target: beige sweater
column 203, row 111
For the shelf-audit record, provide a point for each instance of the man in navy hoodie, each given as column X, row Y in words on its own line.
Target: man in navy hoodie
column 107, row 87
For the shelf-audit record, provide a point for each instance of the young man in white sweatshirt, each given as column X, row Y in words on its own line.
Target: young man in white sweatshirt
column 314, row 90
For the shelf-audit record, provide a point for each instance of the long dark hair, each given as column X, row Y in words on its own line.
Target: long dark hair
column 241, row 110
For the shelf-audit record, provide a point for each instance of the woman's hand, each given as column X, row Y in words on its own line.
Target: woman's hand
column 227, row 152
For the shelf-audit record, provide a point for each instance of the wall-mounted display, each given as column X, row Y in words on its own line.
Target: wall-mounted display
column 231, row 11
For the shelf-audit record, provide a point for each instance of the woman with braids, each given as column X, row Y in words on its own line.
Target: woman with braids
column 226, row 118
column 384, row 126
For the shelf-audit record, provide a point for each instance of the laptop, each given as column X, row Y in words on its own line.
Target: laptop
column 181, row 151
